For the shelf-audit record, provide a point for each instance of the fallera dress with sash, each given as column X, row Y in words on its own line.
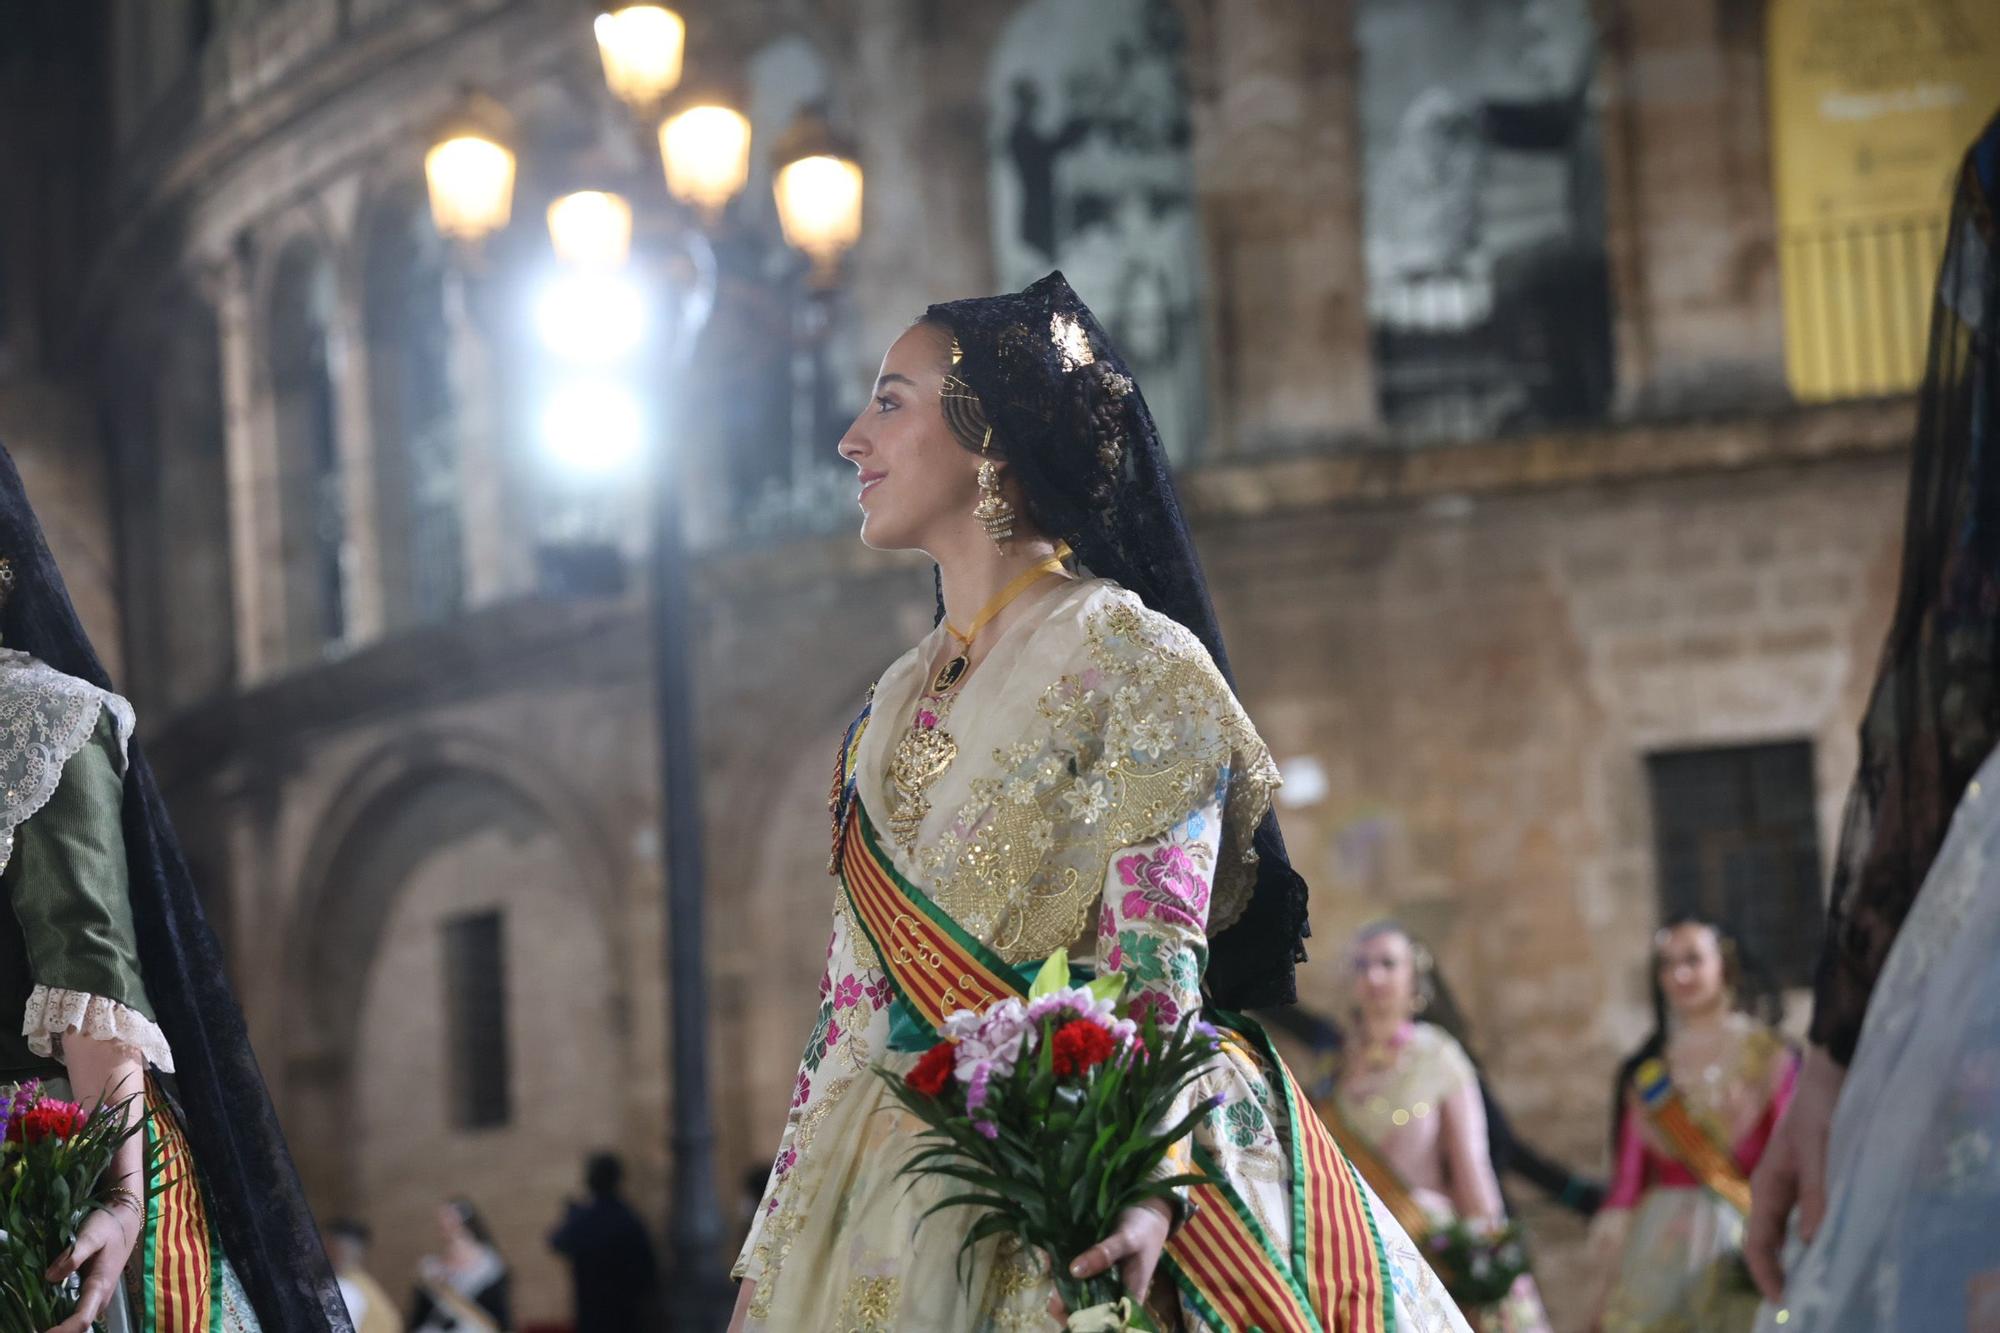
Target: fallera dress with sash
column 1423, row 1118
column 1103, row 798
column 1680, row 1269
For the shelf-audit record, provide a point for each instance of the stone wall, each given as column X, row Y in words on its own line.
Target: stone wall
column 49, row 432
column 1477, row 645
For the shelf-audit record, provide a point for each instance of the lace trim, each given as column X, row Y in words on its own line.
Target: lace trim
column 45, row 718
column 52, row 1012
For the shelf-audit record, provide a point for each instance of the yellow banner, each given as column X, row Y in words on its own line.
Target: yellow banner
column 1872, row 104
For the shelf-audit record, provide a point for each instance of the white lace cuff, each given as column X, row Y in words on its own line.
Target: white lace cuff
column 52, row 1012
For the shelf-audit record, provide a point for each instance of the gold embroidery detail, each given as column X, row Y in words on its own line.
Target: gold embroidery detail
column 1020, row 1289
column 869, row 1304
column 1125, row 749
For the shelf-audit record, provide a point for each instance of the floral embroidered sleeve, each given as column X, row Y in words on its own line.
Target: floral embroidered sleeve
column 849, row 1035
column 1152, row 924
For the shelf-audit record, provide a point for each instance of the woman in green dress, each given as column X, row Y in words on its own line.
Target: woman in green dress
column 111, row 986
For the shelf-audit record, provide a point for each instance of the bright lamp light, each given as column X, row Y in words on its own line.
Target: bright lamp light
column 592, row 427
column 591, row 229
column 641, row 47
column 706, row 153
column 471, row 181
column 819, row 207
column 591, row 317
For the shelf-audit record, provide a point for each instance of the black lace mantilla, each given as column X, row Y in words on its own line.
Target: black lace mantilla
column 1070, row 421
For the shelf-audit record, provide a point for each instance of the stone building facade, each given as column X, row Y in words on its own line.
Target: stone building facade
column 380, row 718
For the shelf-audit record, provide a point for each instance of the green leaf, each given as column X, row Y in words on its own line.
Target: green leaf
column 991, row 1203
column 1053, row 977
column 1108, row 987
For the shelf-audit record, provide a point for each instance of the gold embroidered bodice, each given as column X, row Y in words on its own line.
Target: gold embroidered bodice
column 1105, row 723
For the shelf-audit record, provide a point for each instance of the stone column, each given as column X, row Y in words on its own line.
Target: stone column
column 1278, row 168
column 496, row 554
column 256, row 542
column 354, row 433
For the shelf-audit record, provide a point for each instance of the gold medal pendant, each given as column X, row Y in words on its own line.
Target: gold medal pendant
column 921, row 758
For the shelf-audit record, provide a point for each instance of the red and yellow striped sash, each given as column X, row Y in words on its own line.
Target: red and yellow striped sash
column 1710, row 1162
column 936, row 967
column 1335, row 1279
column 179, row 1287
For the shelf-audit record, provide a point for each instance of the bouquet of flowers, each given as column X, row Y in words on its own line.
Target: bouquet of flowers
column 1478, row 1262
column 54, row 1171
column 1049, row 1117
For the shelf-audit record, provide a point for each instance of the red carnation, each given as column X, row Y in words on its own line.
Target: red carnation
column 1080, row 1045
column 47, row 1120
column 933, row 1071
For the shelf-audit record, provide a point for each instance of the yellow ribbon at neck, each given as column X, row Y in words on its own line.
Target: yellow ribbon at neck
column 1022, row 582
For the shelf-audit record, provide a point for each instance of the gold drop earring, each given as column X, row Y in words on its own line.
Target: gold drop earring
column 992, row 511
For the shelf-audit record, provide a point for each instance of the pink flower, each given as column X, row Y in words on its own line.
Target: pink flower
column 994, row 1038
column 980, row 1085
column 786, row 1161
column 1164, row 1010
column 1167, row 886
column 879, row 992
column 848, row 993
column 801, row 1092
column 1075, row 1000
column 927, row 719
column 832, row 1034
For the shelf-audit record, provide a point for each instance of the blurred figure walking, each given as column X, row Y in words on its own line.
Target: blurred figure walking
column 610, row 1256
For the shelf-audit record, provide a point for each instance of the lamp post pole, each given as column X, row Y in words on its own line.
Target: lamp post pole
column 703, row 1294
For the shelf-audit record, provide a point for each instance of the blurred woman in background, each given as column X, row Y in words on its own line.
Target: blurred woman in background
column 467, row 1288
column 1405, row 1103
column 1695, row 1108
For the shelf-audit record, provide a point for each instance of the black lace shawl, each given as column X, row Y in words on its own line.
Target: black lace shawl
column 247, row 1175
column 1934, row 714
column 1071, row 423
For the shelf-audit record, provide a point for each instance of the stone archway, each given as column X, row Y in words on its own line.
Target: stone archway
column 435, row 832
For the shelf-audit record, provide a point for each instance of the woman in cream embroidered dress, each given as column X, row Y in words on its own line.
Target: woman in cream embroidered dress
column 1410, row 1089
column 1084, row 779
column 1671, row 1247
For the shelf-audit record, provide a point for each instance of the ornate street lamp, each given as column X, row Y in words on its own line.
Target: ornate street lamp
column 705, row 152
column 469, row 172
column 591, row 229
column 704, row 148
column 704, row 161
column 641, row 47
column 818, row 189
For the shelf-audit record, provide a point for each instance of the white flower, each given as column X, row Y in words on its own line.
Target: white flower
column 1151, row 737
column 1020, row 791
column 1090, row 800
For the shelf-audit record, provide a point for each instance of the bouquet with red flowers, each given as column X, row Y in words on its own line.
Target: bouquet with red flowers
column 55, row 1160
column 1050, row 1117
